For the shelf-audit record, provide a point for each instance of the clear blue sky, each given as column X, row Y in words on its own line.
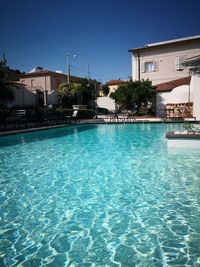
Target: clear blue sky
column 41, row 32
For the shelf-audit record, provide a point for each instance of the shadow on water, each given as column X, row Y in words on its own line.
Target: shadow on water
column 39, row 135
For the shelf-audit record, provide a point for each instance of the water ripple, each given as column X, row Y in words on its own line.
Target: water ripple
column 110, row 195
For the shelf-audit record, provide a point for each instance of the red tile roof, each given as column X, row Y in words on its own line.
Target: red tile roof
column 115, row 82
column 169, row 86
column 48, row 72
column 39, row 73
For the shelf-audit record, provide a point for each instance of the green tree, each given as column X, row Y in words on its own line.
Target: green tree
column 133, row 95
column 88, row 92
column 6, row 93
column 68, row 93
column 105, row 89
column 123, row 97
column 82, row 93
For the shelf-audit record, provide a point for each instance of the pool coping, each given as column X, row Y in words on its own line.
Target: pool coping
column 188, row 136
column 182, row 140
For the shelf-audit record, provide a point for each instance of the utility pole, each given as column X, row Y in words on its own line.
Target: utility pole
column 88, row 72
column 68, row 68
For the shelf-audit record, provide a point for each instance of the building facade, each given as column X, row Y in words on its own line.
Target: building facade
column 46, row 83
column 163, row 61
column 114, row 84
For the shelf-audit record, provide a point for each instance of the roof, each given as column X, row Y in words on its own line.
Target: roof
column 179, row 40
column 169, row 86
column 15, row 83
column 47, row 72
column 174, row 40
column 115, row 82
column 40, row 73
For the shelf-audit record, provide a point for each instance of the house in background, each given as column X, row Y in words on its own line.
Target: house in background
column 163, row 61
column 43, row 83
column 106, row 101
column 114, row 84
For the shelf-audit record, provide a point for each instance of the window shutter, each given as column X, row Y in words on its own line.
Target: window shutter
column 155, row 65
column 142, row 67
column 181, row 60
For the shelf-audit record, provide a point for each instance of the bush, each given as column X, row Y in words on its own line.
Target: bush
column 65, row 111
column 102, row 110
column 86, row 114
column 40, row 114
column 82, row 113
column 4, row 113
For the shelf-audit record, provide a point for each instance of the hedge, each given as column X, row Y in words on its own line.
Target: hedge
column 40, row 114
column 82, row 113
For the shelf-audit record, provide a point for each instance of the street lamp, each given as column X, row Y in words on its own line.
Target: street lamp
column 69, row 66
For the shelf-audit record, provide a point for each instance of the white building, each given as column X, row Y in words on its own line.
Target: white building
column 163, row 61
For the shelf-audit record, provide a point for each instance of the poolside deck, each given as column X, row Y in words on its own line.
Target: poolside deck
column 100, row 120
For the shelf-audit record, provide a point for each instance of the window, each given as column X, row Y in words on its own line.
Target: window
column 149, row 66
column 179, row 63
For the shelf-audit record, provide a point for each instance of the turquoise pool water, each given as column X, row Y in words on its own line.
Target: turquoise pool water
column 100, row 195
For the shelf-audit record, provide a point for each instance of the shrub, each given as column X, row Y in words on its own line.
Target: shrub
column 82, row 113
column 102, row 110
column 86, row 114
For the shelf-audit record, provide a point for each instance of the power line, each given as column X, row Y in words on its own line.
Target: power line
column 101, row 76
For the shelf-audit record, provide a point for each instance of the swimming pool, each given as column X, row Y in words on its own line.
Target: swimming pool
column 99, row 195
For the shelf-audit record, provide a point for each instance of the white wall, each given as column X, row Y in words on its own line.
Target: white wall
column 183, row 143
column 195, row 85
column 134, row 68
column 22, row 97
column 52, row 98
column 179, row 94
column 106, row 102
